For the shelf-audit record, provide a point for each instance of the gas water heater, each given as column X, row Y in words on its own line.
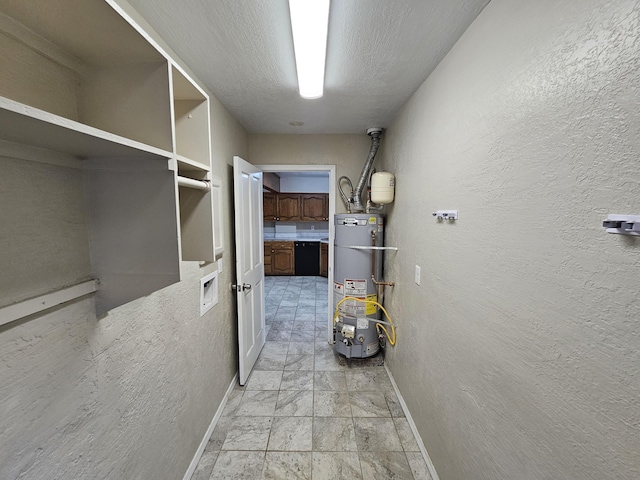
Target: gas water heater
column 357, row 272
column 358, row 262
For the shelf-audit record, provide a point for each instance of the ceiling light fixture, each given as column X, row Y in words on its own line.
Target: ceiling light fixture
column 309, row 24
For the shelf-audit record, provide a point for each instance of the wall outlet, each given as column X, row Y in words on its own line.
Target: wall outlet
column 219, row 265
column 417, row 279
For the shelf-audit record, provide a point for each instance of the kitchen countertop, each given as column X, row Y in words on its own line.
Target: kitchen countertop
column 296, row 238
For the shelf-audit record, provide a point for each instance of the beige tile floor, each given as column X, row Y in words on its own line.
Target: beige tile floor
column 306, row 412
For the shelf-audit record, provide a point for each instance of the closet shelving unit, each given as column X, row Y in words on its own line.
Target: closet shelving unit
column 80, row 78
column 192, row 149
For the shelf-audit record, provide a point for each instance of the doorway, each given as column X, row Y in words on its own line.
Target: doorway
column 309, row 171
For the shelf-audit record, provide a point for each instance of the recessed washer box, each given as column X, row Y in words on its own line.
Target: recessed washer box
column 208, row 292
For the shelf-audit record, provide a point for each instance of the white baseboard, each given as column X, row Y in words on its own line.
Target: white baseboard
column 414, row 429
column 203, row 444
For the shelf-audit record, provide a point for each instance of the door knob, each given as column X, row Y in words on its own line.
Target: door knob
column 240, row 288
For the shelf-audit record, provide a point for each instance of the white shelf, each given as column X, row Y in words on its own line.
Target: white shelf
column 188, row 165
column 216, row 192
column 193, row 155
column 82, row 86
column 80, row 60
column 24, row 124
column 191, row 117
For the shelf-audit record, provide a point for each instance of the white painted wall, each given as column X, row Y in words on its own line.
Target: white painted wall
column 304, row 184
column 127, row 396
column 347, row 152
column 519, row 353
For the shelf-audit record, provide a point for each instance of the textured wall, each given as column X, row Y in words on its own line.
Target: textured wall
column 43, row 234
column 127, row 396
column 519, row 354
column 347, row 152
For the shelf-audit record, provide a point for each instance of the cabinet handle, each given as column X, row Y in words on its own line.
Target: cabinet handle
column 277, row 218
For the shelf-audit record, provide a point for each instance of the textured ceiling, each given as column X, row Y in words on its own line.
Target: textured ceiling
column 378, row 54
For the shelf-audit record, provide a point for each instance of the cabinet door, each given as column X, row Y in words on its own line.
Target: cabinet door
column 292, row 262
column 288, row 207
column 269, row 207
column 268, row 248
column 312, row 207
column 325, row 207
column 324, row 259
column 282, row 261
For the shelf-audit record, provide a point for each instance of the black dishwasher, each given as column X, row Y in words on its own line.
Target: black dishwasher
column 307, row 258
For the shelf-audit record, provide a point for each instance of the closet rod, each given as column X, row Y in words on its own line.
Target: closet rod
column 191, row 183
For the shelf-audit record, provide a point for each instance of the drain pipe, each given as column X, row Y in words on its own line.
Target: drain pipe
column 374, row 133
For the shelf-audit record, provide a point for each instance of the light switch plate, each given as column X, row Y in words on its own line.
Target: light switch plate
column 417, row 279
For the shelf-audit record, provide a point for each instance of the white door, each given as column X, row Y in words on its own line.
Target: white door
column 249, row 264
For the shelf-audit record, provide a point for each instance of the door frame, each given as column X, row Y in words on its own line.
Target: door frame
column 331, row 170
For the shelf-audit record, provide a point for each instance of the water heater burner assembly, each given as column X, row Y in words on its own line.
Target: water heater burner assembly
column 359, row 330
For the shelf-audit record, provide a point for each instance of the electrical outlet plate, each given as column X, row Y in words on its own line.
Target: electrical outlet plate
column 417, row 275
column 208, row 292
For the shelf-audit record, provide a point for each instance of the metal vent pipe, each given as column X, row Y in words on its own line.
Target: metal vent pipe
column 374, row 133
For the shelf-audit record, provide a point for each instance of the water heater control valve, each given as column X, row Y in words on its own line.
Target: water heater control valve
column 348, row 331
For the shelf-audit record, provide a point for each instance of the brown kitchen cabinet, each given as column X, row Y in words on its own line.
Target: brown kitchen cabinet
column 326, row 207
column 295, row 207
column 324, row 259
column 314, row 207
column 270, row 206
column 288, row 207
column 280, row 257
column 267, row 258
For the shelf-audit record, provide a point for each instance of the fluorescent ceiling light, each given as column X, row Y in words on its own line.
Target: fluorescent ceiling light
column 309, row 23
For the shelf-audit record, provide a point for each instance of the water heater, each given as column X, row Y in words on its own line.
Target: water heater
column 357, row 263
